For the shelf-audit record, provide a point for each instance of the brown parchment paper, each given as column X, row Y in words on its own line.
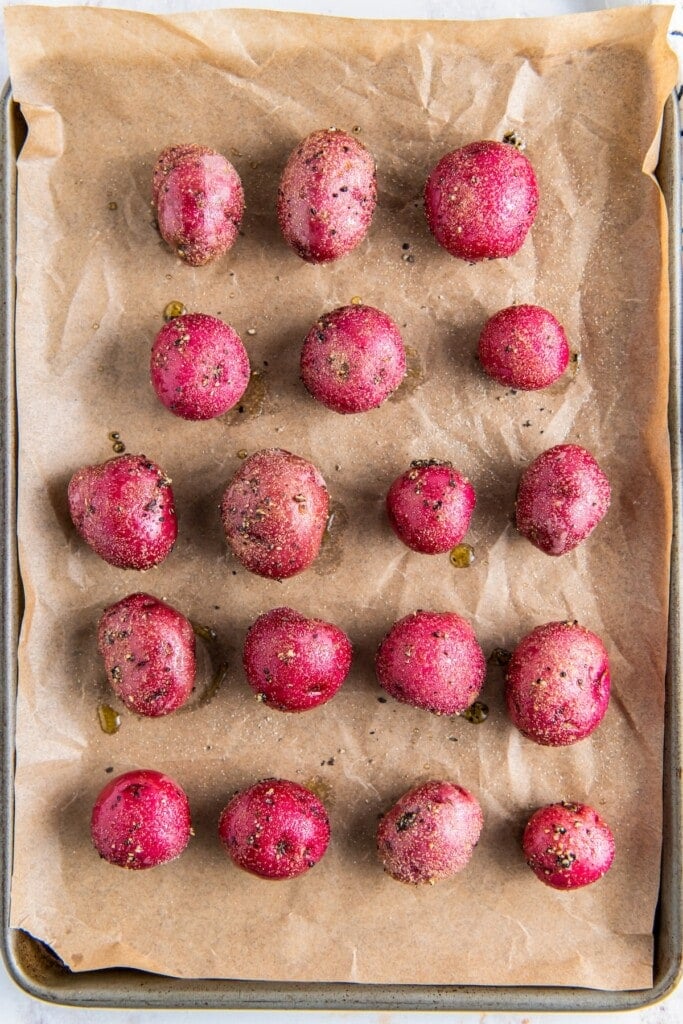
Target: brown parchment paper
column 103, row 93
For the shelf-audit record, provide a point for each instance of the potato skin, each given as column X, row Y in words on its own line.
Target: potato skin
column 124, row 509
column 432, row 661
column 275, row 829
column 274, row 513
column 430, row 833
column 481, row 200
column 562, row 496
column 430, row 506
column 327, row 196
column 199, row 367
column 353, row 358
column 293, row 663
column 557, row 684
column 148, row 650
column 524, row 347
column 568, row 845
column 141, row 819
column 199, row 202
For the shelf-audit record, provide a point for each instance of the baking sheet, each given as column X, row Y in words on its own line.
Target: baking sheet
column 90, row 298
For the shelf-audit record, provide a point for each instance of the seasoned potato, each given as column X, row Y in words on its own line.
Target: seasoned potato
column 327, row 196
column 199, row 367
column 148, row 650
column 557, row 684
column 124, row 509
column 433, row 661
column 274, row 513
column 294, row 663
column 430, row 833
column 199, row 202
column 141, row 819
column 353, row 358
column 430, row 506
column 562, row 496
column 524, row 347
column 481, row 201
column 276, row 829
column 568, row 845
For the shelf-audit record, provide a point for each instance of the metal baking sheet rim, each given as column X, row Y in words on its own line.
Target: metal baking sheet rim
column 33, row 966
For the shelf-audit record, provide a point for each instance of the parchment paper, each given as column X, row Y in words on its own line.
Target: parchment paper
column 103, row 93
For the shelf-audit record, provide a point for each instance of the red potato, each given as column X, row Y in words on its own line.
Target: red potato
column 524, row 347
column 353, row 358
column 481, row 200
column 562, row 496
column 294, row 663
column 327, row 196
column 430, row 506
column 124, row 510
column 199, row 367
column 557, row 684
column 432, row 661
column 430, row 833
column 141, row 819
column 274, row 513
column 149, row 654
column 276, row 829
column 568, row 845
column 199, row 202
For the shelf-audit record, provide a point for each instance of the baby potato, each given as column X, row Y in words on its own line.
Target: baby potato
column 294, row 663
column 199, row 202
column 148, row 650
column 141, row 819
column 557, row 684
column 568, row 845
column 432, row 660
column 481, row 200
column 430, row 833
column 124, row 509
column 353, row 358
column 275, row 829
column 327, row 196
column 274, row 513
column 199, row 367
column 562, row 496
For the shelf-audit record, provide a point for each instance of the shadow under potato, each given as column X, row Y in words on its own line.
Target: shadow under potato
column 57, row 492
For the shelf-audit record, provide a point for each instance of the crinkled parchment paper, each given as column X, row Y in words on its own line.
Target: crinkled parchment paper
column 103, row 93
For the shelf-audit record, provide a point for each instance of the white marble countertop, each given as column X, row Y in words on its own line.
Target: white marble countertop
column 15, row 1004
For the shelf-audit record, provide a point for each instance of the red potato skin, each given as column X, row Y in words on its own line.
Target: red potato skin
column 568, row 845
column 124, row 509
column 199, row 367
column 327, row 196
column 432, row 661
column 276, row 829
column 562, row 496
column 274, row 513
column 430, row 506
column 141, row 819
column 430, row 833
column 148, row 650
column 557, row 684
column 353, row 358
column 199, row 202
column 293, row 663
column 524, row 347
column 481, row 200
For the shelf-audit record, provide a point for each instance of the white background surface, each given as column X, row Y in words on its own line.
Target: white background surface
column 18, row 1008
